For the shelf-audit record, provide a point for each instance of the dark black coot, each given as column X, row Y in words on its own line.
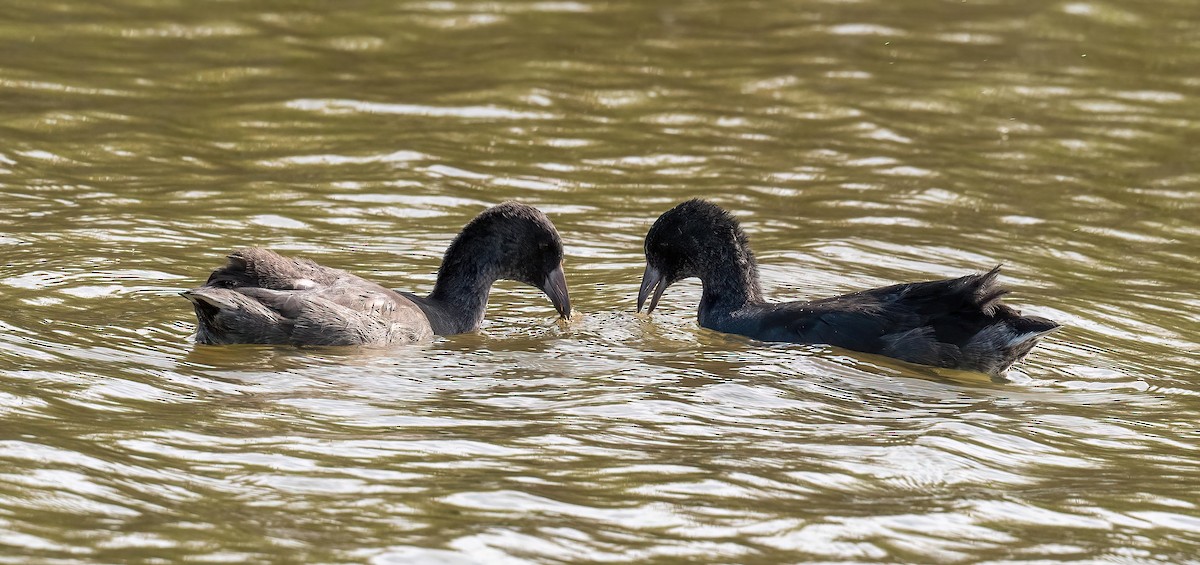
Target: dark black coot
column 956, row 323
column 263, row 297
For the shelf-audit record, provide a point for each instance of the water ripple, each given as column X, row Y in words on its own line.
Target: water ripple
column 469, row 112
column 861, row 143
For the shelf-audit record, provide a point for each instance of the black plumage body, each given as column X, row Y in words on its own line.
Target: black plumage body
column 956, row 323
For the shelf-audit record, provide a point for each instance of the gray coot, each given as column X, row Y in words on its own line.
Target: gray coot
column 955, row 323
column 263, row 297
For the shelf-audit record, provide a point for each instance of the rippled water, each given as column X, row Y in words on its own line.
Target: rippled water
column 862, row 143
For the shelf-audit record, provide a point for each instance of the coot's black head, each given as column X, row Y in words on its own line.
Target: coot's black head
column 694, row 239
column 516, row 242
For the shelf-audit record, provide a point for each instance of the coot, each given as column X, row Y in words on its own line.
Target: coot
column 262, row 297
column 957, row 323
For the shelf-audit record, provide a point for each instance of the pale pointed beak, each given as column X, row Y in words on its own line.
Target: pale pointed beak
column 555, row 287
column 652, row 279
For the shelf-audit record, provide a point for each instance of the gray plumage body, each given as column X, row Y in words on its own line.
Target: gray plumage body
column 260, row 296
column 263, row 297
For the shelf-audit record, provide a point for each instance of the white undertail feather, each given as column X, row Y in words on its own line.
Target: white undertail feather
column 1021, row 338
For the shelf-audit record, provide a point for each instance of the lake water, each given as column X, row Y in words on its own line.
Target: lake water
column 861, row 142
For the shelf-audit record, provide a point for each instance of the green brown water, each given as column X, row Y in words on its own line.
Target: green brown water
column 862, row 143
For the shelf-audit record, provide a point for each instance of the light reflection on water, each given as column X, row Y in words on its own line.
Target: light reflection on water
column 861, row 144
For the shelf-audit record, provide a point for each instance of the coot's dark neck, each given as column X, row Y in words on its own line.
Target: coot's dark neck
column 461, row 291
column 730, row 284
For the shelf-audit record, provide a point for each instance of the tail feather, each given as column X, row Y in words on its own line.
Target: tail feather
column 204, row 297
column 998, row 346
column 1003, row 335
column 976, row 293
column 1028, row 332
column 1034, row 325
column 228, row 316
column 987, row 291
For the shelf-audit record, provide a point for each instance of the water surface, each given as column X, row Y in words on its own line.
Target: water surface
column 862, row 143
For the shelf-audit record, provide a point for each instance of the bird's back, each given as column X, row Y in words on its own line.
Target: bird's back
column 262, row 297
column 958, row 323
